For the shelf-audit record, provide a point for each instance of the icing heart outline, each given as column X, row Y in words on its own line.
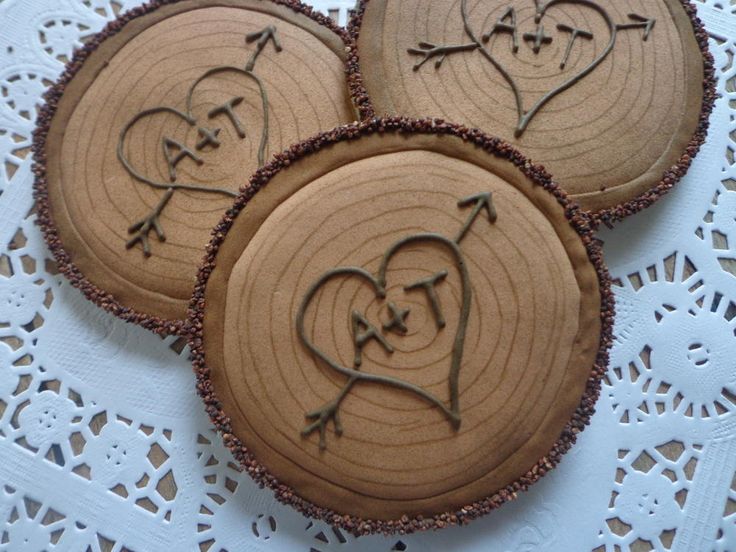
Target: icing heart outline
column 379, row 285
column 141, row 229
column 192, row 121
column 429, row 50
column 330, row 410
column 526, row 116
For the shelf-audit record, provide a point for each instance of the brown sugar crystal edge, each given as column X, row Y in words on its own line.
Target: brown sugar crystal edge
column 610, row 215
column 46, row 113
column 494, row 146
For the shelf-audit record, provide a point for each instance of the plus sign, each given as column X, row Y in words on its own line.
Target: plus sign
column 538, row 38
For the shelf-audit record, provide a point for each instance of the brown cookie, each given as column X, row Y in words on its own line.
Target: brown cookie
column 611, row 96
column 405, row 324
column 156, row 124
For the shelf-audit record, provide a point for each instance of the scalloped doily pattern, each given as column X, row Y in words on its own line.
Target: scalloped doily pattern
column 104, row 445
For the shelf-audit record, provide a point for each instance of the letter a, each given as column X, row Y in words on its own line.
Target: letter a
column 502, row 27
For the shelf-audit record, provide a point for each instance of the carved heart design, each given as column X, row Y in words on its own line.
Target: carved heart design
column 188, row 116
column 174, row 151
column 526, row 116
column 507, row 24
column 378, row 284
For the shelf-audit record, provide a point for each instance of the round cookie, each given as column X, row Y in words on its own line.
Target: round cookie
column 400, row 324
column 611, row 96
column 156, row 124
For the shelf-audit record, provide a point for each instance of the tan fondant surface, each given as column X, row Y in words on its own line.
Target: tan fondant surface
column 153, row 62
column 532, row 337
column 607, row 139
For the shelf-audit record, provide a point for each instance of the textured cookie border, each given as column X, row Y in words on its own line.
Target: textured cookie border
column 494, row 146
column 46, row 114
column 609, row 215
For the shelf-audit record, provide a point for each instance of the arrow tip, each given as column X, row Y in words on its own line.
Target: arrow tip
column 480, row 196
column 483, row 200
column 646, row 22
column 263, row 36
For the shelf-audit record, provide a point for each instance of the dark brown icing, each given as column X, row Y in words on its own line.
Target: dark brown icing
column 363, row 331
column 427, row 285
column 501, row 26
column 574, row 34
column 269, row 33
column 227, row 109
column 174, row 152
column 538, row 38
column 397, row 323
column 141, row 229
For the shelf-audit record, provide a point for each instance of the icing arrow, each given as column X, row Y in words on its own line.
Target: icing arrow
column 142, row 228
column 641, row 23
column 483, row 200
column 429, row 50
column 262, row 36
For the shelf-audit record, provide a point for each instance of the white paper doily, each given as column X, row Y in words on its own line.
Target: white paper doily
column 104, row 444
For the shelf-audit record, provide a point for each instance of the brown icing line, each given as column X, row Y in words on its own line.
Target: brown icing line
column 579, row 220
column 141, row 229
column 610, row 215
column 330, row 411
column 46, row 112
